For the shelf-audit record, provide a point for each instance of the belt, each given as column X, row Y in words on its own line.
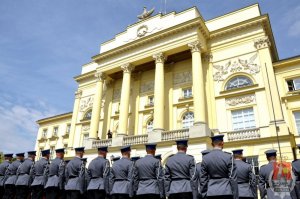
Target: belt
column 219, row 178
column 73, row 177
column 243, row 182
column 121, row 180
column 177, row 179
column 96, row 177
column 143, row 179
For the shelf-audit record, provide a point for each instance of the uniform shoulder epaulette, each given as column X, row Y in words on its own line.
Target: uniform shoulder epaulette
column 263, row 165
column 227, row 152
column 295, row 160
column 190, row 155
column 171, row 155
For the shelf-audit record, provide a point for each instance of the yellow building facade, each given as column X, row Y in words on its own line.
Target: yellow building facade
column 177, row 76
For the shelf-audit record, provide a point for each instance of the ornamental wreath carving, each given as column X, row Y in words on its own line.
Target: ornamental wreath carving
column 147, row 87
column 182, row 78
column 236, row 65
column 86, row 103
column 85, row 128
column 247, row 99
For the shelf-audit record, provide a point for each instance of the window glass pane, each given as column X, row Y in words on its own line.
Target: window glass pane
column 243, row 119
column 297, row 120
column 253, row 160
column 85, row 139
column 238, row 82
column 187, row 93
column 297, row 84
column 88, row 115
column 188, row 120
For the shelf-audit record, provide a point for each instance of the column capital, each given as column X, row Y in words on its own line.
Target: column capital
column 101, row 76
column 195, row 46
column 159, row 57
column 263, row 42
column 208, row 57
column 78, row 94
column 127, row 68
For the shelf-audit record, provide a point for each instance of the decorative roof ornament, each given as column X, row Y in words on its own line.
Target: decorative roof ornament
column 146, row 14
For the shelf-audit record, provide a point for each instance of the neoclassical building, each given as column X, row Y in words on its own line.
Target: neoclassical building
column 176, row 76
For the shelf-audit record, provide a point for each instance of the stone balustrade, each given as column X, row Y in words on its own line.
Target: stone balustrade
column 175, row 134
column 137, row 139
column 98, row 143
column 243, row 134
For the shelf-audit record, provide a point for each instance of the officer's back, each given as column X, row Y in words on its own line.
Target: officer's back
column 179, row 173
column 3, row 168
column 24, row 177
column 296, row 170
column 38, row 170
column 56, row 173
column 218, row 172
column 96, row 170
column 72, row 174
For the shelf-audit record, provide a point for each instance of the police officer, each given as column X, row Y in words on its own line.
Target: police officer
column 246, row 178
column 121, row 176
column 25, row 177
column 55, row 183
column 296, row 170
column 158, row 156
column 10, row 188
column 40, row 172
column 98, row 171
column 264, row 175
column 198, row 174
column 147, row 175
column 3, row 171
column 179, row 173
column 218, row 172
column 74, row 173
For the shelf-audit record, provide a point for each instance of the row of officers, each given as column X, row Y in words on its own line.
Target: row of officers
column 220, row 175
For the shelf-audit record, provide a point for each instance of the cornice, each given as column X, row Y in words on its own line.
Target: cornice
column 260, row 20
column 158, row 35
column 287, row 62
column 56, row 117
column 81, row 77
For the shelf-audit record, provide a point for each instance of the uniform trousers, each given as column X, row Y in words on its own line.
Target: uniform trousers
column 1, row 192
column 120, row 196
column 22, row 192
column 54, row 193
column 96, row 194
column 219, row 197
column 187, row 195
column 148, row 196
column 37, row 192
column 74, row 194
column 9, row 192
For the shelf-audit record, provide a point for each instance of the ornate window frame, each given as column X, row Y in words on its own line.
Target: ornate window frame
column 183, row 115
column 235, row 75
column 84, row 118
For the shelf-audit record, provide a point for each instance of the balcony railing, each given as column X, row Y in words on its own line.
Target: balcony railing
column 98, row 143
column 175, row 134
column 137, row 139
column 243, row 134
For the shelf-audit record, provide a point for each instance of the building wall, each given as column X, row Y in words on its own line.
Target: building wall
column 225, row 55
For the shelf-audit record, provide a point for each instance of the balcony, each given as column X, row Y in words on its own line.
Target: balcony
column 175, row 134
column 246, row 134
column 142, row 139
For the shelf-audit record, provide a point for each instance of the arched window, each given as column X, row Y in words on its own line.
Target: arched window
column 187, row 120
column 238, row 82
column 88, row 115
column 149, row 126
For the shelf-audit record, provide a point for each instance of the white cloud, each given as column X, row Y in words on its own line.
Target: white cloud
column 18, row 127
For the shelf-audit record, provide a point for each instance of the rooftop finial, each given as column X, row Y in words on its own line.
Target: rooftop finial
column 146, row 14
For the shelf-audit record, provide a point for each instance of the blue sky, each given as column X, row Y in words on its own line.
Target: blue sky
column 44, row 43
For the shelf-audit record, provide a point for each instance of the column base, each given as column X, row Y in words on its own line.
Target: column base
column 155, row 135
column 200, row 129
column 117, row 141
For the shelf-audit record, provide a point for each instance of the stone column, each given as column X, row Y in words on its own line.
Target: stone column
column 266, row 66
column 198, row 84
column 96, row 111
column 74, row 118
column 159, row 98
column 124, row 101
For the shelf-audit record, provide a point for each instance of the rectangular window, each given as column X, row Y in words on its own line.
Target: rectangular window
column 44, row 134
column 85, row 139
column 66, row 148
column 55, row 131
column 68, row 128
column 253, row 160
column 187, row 93
column 293, row 84
column 297, row 120
column 243, row 119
